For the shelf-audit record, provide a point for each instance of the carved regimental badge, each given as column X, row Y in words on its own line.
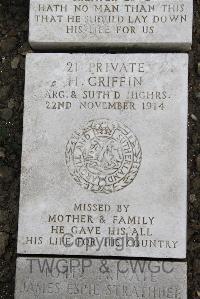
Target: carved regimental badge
column 103, row 156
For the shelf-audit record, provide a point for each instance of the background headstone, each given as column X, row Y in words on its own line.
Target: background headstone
column 144, row 24
column 99, row 278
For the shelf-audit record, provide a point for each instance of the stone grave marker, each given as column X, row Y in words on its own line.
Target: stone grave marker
column 95, row 24
column 99, row 278
column 104, row 155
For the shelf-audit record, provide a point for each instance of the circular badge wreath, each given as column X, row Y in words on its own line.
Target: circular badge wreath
column 103, row 156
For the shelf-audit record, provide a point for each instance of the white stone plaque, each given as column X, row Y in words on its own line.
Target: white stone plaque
column 87, row 278
column 104, row 155
column 111, row 23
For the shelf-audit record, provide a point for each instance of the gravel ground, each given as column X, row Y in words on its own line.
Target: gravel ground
column 13, row 48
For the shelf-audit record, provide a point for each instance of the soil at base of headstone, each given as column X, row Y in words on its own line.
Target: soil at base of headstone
column 13, row 48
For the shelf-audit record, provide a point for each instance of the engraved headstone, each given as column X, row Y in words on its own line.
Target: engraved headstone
column 98, row 278
column 118, row 23
column 104, row 155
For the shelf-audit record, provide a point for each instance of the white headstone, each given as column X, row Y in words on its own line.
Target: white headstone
column 67, row 278
column 113, row 23
column 104, row 155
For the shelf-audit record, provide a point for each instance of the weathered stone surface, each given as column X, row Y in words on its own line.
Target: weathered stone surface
column 104, row 155
column 99, row 278
column 163, row 24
